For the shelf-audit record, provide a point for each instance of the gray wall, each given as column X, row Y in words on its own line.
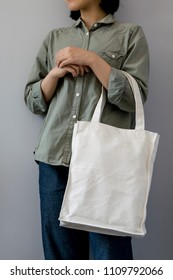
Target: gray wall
column 23, row 26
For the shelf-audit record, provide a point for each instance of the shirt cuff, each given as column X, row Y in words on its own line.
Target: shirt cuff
column 116, row 85
column 38, row 98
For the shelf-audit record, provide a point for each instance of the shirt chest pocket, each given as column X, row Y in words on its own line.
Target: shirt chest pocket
column 112, row 58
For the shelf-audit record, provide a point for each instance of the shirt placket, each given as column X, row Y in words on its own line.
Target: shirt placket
column 75, row 104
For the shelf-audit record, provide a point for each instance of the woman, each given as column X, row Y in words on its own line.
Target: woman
column 65, row 84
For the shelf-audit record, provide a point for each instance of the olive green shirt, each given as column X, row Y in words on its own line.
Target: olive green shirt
column 123, row 46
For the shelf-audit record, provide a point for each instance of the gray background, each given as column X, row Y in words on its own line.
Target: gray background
column 23, row 26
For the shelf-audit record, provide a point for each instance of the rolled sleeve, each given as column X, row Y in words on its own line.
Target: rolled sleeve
column 33, row 94
column 116, row 85
column 34, row 99
column 136, row 63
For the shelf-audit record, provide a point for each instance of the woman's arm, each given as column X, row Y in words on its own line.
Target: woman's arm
column 42, row 82
column 73, row 55
column 50, row 82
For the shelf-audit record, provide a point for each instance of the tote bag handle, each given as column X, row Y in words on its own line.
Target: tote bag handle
column 139, row 116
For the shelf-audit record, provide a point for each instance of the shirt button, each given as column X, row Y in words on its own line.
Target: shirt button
column 77, row 94
column 113, row 56
column 95, row 24
column 87, row 33
column 74, row 117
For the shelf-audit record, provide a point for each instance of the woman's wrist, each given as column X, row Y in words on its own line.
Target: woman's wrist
column 91, row 59
column 48, row 85
column 100, row 68
column 54, row 74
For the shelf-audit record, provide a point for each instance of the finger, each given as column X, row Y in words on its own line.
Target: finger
column 60, row 57
column 59, row 62
column 81, row 70
column 65, row 62
column 86, row 68
column 74, row 70
column 64, row 57
column 75, row 67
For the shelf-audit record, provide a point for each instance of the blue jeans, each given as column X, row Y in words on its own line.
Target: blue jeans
column 68, row 244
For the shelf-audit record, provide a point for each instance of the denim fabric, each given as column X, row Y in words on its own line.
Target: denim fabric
column 67, row 244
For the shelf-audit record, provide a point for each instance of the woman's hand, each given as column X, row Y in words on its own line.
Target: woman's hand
column 75, row 70
column 73, row 56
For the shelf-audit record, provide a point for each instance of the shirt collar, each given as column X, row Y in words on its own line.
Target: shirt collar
column 107, row 20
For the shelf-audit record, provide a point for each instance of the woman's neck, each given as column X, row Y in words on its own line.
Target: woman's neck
column 89, row 17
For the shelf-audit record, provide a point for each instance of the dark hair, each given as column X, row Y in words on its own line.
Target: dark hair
column 108, row 6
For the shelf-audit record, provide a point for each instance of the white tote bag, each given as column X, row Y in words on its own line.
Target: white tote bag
column 110, row 174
